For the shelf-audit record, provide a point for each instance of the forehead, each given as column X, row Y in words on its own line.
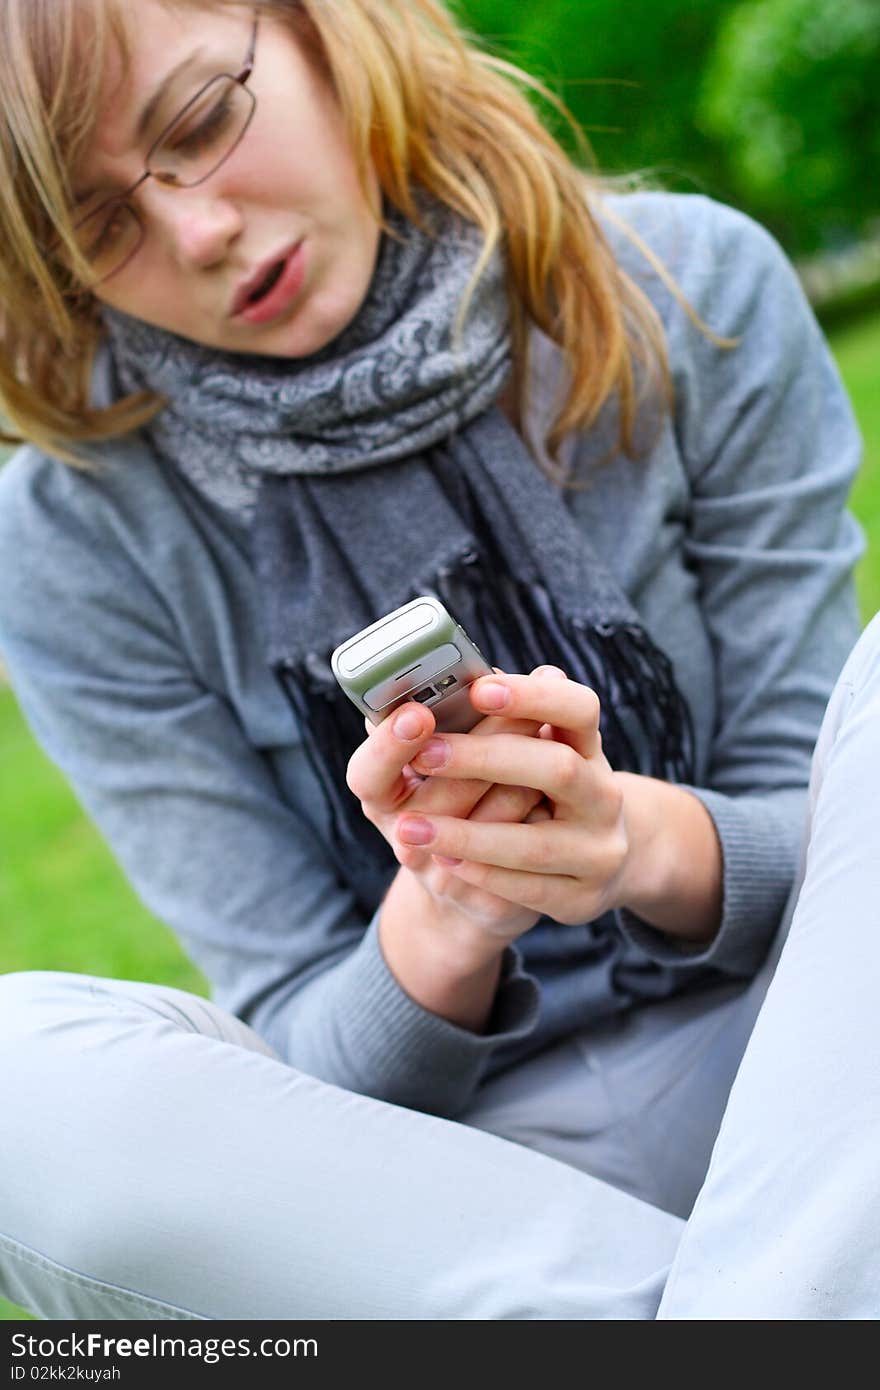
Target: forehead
column 155, row 38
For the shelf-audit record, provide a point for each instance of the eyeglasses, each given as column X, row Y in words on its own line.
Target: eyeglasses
column 186, row 153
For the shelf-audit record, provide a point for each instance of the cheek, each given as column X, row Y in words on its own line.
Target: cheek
column 154, row 292
column 313, row 160
column 316, row 179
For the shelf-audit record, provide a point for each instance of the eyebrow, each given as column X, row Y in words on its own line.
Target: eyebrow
column 150, row 107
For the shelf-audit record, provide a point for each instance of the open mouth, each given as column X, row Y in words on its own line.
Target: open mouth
column 275, row 292
column 267, row 284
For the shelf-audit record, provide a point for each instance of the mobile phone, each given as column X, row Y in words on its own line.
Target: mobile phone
column 418, row 652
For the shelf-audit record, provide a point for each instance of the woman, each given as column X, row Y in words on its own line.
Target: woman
column 295, row 337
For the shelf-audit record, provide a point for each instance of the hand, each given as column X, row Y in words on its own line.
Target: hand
column 571, row 865
column 379, row 774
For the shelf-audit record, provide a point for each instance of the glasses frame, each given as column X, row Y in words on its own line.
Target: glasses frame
column 170, row 180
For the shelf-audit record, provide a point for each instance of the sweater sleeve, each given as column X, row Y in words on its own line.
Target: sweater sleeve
column 771, row 447
column 194, row 812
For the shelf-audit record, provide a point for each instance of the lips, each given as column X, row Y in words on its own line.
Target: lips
column 266, row 285
column 259, row 285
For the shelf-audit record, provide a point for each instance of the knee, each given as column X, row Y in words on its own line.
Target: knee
column 33, row 1001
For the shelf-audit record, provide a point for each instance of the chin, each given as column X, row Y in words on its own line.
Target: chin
column 315, row 327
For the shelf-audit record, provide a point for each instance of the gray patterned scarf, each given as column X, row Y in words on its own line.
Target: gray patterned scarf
column 381, row 468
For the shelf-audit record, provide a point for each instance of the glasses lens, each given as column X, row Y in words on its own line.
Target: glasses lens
column 108, row 237
column 207, row 130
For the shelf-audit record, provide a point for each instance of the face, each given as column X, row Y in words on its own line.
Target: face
column 289, row 191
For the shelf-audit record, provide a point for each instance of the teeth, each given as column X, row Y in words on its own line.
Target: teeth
column 270, row 280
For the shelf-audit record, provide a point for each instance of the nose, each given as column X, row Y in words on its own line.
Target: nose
column 197, row 225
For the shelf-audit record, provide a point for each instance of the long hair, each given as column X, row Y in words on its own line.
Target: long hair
column 424, row 106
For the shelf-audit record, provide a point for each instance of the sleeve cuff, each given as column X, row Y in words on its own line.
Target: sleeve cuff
column 760, row 844
column 383, row 1044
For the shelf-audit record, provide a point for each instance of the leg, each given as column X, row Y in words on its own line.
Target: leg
column 786, row 1224
column 158, row 1161
column 636, row 1100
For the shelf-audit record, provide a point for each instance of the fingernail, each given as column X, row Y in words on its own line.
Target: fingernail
column 415, row 832
column 493, row 695
column 435, row 753
column 408, row 726
column 549, row 671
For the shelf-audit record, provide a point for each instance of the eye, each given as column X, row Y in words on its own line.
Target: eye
column 198, row 132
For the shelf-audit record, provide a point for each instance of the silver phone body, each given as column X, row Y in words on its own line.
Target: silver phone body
column 418, row 652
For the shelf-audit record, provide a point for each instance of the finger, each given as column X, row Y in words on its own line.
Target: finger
column 465, row 794
column 511, row 919
column 552, row 849
column 571, row 708
column 461, row 796
column 500, row 805
column 546, row 765
column 505, row 804
column 570, row 900
column 453, row 799
column 465, row 798
column 375, row 768
column 457, row 796
column 412, row 779
column 550, row 672
column 540, row 894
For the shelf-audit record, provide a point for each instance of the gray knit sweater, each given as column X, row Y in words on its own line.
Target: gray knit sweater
column 128, row 621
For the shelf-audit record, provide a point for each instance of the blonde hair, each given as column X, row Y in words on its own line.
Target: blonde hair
column 424, row 105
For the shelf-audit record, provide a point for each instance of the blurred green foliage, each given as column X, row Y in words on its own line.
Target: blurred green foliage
column 791, row 90
column 628, row 73
column 769, row 104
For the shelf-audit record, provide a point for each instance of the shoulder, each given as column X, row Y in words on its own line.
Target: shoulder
column 722, row 261
column 729, row 275
column 37, row 490
column 693, row 234
column 47, row 504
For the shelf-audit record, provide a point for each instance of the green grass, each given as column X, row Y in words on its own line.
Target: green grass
column 857, row 351
column 64, row 904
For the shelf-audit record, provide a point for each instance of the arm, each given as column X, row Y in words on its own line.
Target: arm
column 440, row 966
column 196, row 814
column 751, row 496
column 770, row 447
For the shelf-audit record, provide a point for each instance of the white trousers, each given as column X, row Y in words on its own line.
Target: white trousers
column 159, row 1161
